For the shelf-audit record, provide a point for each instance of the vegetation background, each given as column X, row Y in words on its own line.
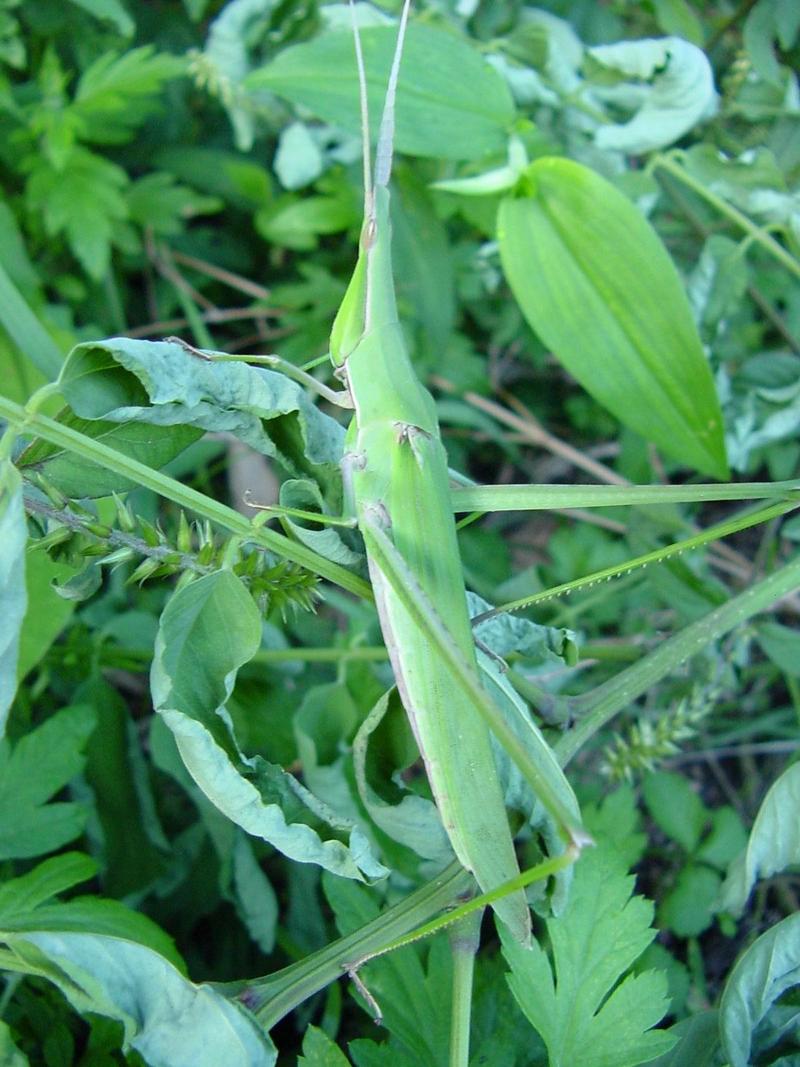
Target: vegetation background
column 180, row 168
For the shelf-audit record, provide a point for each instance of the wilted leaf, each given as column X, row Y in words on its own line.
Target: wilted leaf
column 680, row 92
column 598, row 287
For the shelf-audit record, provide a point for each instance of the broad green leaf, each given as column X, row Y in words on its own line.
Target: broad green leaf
column 161, row 382
column 698, row 1043
column 13, row 595
column 320, row 1051
column 169, row 1020
column 676, row 808
column 254, row 897
column 598, row 287
column 780, row 644
column 402, row 815
column 10, row 1055
column 769, row 21
column 774, row 842
column 208, row 630
column 75, row 476
column 298, row 160
column 687, row 908
column 47, row 613
column 423, row 266
column 680, row 92
column 31, row 771
column 26, row 331
column 450, row 102
column 762, row 974
column 586, row 1012
column 328, row 541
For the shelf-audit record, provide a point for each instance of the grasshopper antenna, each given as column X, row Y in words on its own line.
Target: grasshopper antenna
column 364, row 103
column 383, row 155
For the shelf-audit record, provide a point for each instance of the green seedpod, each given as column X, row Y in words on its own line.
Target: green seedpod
column 125, row 517
column 184, row 539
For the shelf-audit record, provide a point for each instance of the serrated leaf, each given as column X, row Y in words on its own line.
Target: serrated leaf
column 157, row 200
column 160, row 382
column 208, row 630
column 320, row 1051
column 679, row 91
column 762, row 974
column 118, row 91
column 774, row 842
column 40, row 764
column 169, row 1020
column 20, row 896
column 598, row 287
column 112, row 11
column 414, row 998
column 84, row 201
column 688, row 907
column 450, row 102
column 13, row 594
column 586, row 1012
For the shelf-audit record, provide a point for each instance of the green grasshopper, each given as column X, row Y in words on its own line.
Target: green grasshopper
column 397, row 485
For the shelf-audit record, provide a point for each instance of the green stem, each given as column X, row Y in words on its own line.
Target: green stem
column 755, row 233
column 182, row 495
column 485, row 498
column 464, row 942
column 601, row 704
column 273, row 997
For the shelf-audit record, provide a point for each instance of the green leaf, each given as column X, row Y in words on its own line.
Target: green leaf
column 780, row 644
column 47, row 614
column 774, row 842
column 112, row 11
column 163, row 383
column 117, row 92
column 320, row 1051
column 586, row 1012
column 596, row 284
column 762, row 974
column 208, row 630
column 688, row 908
column 77, row 477
column 40, row 764
column 698, row 1043
column 328, row 541
column 680, row 92
column 450, row 102
column 169, row 1020
column 21, row 896
column 26, row 331
column 84, row 201
column 403, row 816
column 766, row 22
column 676, row 808
column 157, row 200
column 10, row 1055
column 414, row 999
column 13, row 595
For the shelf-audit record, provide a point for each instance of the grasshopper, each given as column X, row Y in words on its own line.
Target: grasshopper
column 397, row 485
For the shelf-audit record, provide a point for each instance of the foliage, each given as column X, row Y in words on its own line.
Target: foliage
column 212, row 804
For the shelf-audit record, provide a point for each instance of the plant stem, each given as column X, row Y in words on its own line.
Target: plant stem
column 754, row 232
column 601, row 704
column 182, row 495
column 464, row 941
